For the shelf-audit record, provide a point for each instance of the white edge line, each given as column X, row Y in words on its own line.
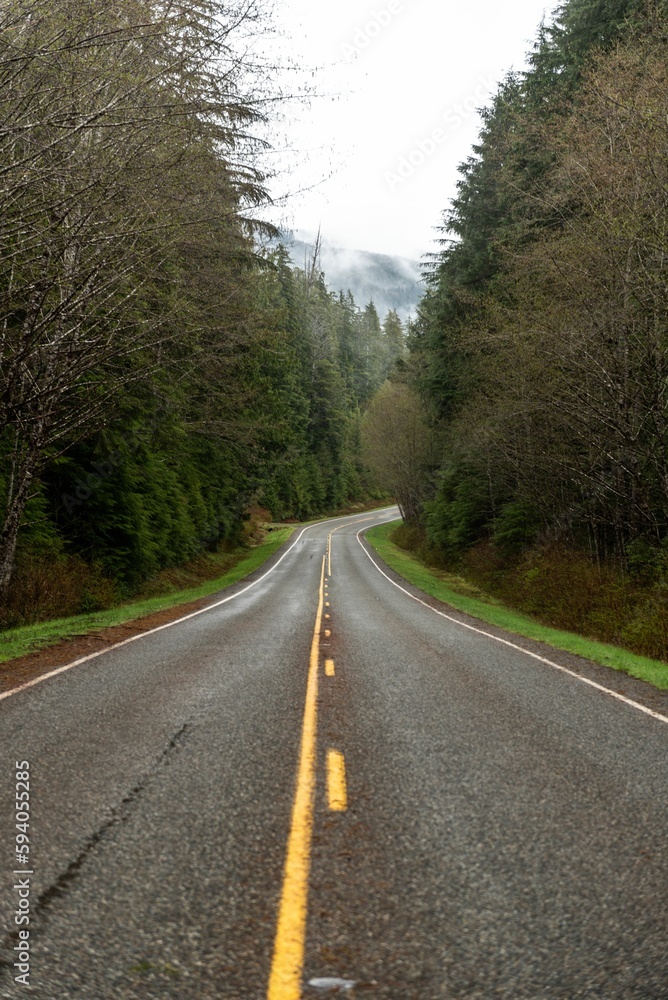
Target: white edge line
column 506, row 642
column 159, row 628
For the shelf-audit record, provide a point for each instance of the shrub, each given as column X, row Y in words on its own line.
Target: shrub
column 44, row 588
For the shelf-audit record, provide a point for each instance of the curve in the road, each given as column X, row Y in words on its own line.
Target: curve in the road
column 520, row 649
column 177, row 621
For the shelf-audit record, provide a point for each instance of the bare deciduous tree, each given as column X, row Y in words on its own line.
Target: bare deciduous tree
column 399, row 447
column 107, row 113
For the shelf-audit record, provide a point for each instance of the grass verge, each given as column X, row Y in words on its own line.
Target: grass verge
column 29, row 638
column 466, row 597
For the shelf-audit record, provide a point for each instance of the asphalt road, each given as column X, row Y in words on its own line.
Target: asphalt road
column 444, row 817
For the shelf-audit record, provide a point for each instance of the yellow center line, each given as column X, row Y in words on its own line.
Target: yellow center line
column 336, row 781
column 329, row 668
column 288, row 960
column 348, row 524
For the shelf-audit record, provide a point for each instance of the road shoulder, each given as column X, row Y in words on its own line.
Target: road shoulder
column 22, row 669
column 611, row 678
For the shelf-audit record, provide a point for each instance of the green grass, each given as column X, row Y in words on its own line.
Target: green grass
column 464, row 596
column 26, row 639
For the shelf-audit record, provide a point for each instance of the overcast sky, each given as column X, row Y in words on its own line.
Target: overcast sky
column 399, row 81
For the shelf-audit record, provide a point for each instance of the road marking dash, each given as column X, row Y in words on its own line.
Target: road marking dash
column 329, row 668
column 336, row 781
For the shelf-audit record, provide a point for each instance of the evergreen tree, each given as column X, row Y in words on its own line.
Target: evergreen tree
column 539, row 341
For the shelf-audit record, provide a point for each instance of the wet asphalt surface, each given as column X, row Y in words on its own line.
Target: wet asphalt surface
column 506, row 833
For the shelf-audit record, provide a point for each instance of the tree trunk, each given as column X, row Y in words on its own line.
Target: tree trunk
column 20, row 483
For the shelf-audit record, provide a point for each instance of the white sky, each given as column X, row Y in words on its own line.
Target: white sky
column 385, row 90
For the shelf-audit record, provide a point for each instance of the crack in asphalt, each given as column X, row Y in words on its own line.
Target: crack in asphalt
column 119, row 815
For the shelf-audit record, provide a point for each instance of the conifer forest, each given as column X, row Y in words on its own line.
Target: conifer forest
column 161, row 374
column 165, row 369
column 538, row 370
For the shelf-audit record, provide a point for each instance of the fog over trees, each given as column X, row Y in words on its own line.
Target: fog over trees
column 161, row 376
column 158, row 375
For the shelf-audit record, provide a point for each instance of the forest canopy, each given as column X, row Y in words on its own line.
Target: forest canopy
column 541, row 346
column 159, row 373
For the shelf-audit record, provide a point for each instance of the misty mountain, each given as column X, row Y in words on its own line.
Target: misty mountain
column 389, row 282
